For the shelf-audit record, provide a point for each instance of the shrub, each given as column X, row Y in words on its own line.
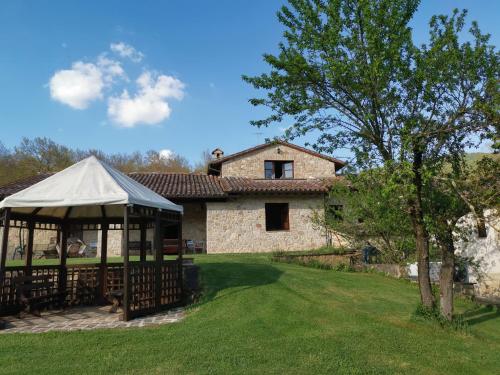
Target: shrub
column 285, row 257
column 433, row 315
column 319, row 251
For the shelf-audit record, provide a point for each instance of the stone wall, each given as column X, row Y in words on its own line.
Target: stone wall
column 114, row 243
column 239, row 225
column 193, row 227
column 252, row 165
column 41, row 238
column 394, row 270
column 115, row 240
column 194, row 221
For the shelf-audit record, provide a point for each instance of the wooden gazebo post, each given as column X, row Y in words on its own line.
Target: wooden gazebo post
column 63, row 255
column 28, row 260
column 142, row 227
column 104, row 260
column 179, row 258
column 5, row 240
column 126, row 265
column 158, row 259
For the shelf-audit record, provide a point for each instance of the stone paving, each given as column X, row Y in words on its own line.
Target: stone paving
column 84, row 318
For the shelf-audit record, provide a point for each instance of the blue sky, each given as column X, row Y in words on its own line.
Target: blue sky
column 187, row 54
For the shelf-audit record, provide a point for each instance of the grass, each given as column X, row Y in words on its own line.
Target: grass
column 258, row 317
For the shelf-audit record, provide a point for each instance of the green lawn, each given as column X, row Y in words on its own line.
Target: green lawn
column 260, row 317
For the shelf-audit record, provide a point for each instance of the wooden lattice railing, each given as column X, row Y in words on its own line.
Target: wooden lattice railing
column 142, row 286
column 171, row 291
column 91, row 284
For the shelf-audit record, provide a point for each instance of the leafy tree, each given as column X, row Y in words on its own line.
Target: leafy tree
column 6, row 163
column 448, row 197
column 479, row 189
column 156, row 163
column 42, row 155
column 202, row 165
column 368, row 207
column 350, row 70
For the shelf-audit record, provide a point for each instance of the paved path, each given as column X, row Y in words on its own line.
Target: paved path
column 85, row 318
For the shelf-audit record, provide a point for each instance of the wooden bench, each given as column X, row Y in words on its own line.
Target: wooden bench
column 37, row 292
column 46, row 251
column 49, row 254
column 170, row 246
column 135, row 247
column 86, row 292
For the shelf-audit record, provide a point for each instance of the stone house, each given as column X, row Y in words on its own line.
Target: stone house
column 484, row 251
column 257, row 200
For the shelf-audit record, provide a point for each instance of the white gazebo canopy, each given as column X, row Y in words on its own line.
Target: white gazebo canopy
column 85, row 186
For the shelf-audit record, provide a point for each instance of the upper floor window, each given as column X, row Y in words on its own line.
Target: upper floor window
column 278, row 169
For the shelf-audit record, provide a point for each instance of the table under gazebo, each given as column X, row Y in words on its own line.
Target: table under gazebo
column 91, row 195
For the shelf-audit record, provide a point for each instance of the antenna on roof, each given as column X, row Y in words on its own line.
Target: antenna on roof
column 258, row 134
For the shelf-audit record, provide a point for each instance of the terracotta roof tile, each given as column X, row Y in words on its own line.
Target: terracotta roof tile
column 239, row 185
column 15, row 186
column 199, row 186
column 181, row 185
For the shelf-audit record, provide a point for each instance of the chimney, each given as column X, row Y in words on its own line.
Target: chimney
column 217, row 153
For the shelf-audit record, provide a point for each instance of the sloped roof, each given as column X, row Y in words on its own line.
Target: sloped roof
column 338, row 162
column 18, row 185
column 198, row 186
column 88, row 183
column 181, row 185
column 242, row 185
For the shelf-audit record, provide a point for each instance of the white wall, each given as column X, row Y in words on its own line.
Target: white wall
column 485, row 251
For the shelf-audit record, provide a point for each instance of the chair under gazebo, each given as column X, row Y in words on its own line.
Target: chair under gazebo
column 91, row 195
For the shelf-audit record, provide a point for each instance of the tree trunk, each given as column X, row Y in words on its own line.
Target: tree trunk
column 446, row 277
column 481, row 225
column 421, row 235
column 422, row 247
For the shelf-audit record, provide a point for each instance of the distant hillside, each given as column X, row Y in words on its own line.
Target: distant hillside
column 473, row 157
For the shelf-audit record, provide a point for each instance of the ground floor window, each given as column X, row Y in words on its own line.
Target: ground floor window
column 277, row 216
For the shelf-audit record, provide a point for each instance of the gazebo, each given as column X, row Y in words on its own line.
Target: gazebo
column 92, row 195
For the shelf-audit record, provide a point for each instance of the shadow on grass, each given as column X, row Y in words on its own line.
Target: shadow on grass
column 216, row 277
column 481, row 314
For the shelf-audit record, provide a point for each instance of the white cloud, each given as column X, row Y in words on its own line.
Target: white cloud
column 126, row 50
column 149, row 106
column 166, row 154
column 94, row 80
column 77, row 86
column 84, row 82
column 110, row 68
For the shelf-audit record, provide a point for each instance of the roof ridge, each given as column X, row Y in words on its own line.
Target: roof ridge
column 172, row 173
column 281, row 142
